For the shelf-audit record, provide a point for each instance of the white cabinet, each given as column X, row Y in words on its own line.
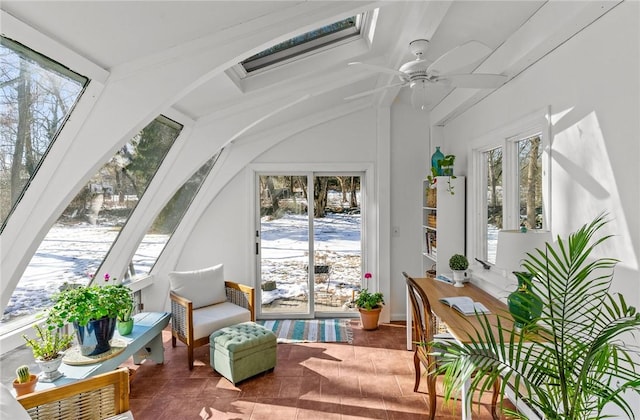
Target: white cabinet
column 443, row 222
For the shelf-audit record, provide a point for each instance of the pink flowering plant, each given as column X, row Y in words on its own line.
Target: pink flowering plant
column 367, row 300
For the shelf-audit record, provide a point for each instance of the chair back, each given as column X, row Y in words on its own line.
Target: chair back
column 424, row 321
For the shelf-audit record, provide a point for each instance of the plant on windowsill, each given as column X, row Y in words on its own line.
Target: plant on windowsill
column 93, row 311
column 369, row 305
column 572, row 362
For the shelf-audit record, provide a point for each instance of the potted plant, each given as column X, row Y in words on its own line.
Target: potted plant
column 125, row 320
column 446, row 169
column 570, row 364
column 93, row 311
column 458, row 264
column 48, row 349
column 369, row 305
column 25, row 382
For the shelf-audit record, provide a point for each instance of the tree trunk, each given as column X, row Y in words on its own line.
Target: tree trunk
column 532, row 176
column 353, row 203
column 320, row 184
column 23, row 135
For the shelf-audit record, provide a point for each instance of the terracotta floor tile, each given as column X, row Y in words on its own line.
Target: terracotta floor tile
column 369, row 379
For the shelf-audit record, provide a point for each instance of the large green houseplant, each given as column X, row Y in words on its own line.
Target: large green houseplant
column 92, row 310
column 572, row 362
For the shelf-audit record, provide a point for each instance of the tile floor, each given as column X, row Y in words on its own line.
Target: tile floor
column 369, row 379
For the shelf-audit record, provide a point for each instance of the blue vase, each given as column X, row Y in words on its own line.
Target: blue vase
column 94, row 337
column 435, row 160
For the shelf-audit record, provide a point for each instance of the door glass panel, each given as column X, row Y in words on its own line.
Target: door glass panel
column 284, row 244
column 337, row 245
column 493, row 159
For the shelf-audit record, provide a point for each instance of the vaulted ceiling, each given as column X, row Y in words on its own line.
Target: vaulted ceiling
column 120, row 34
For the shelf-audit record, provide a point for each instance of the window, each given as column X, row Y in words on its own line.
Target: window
column 37, row 96
column 166, row 222
column 509, row 186
column 302, row 44
column 79, row 241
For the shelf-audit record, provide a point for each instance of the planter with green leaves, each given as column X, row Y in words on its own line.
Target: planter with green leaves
column 125, row 320
column 48, row 349
column 458, row 264
column 93, row 311
column 573, row 362
column 369, row 305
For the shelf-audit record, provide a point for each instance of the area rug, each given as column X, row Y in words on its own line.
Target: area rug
column 310, row 330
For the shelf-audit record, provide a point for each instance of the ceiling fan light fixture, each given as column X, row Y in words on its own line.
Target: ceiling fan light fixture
column 419, row 94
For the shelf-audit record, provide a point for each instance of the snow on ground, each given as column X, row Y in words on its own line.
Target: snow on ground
column 72, row 253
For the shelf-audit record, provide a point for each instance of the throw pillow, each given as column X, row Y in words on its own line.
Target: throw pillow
column 203, row 287
column 10, row 408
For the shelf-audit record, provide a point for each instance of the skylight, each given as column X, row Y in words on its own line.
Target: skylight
column 305, row 43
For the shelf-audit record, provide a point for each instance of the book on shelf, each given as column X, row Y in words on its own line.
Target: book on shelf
column 465, row 305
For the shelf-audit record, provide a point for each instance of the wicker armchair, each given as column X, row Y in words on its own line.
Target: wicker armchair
column 194, row 326
column 94, row 398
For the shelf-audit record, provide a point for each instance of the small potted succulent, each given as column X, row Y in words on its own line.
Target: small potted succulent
column 125, row 320
column 48, row 349
column 458, row 264
column 369, row 305
column 25, row 382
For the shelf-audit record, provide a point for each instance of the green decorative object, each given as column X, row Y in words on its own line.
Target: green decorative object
column 435, row 161
column 125, row 327
column 524, row 305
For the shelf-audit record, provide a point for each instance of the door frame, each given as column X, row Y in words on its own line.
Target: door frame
column 369, row 230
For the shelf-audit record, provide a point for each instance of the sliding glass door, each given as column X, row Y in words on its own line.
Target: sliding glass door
column 308, row 244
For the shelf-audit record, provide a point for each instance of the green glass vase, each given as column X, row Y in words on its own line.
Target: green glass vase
column 524, row 305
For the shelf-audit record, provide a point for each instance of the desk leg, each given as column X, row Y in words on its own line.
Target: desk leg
column 466, row 400
column 153, row 350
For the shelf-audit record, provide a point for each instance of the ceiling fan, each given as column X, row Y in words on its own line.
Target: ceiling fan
column 418, row 74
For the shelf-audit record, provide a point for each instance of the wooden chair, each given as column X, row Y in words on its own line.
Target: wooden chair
column 425, row 331
column 94, row 398
column 193, row 324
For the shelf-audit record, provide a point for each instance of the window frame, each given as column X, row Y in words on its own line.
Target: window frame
column 506, row 137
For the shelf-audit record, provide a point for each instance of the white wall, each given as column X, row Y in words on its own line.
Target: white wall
column 591, row 84
column 224, row 233
column 410, row 161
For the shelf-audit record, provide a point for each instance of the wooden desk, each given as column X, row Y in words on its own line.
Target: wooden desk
column 144, row 342
column 460, row 325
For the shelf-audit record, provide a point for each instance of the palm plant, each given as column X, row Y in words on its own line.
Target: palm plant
column 572, row 362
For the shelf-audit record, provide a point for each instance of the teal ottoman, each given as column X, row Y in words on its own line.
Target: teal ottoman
column 242, row 350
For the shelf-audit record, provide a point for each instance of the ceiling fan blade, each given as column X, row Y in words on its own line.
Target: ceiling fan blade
column 380, row 69
column 458, row 57
column 478, row 81
column 372, row 91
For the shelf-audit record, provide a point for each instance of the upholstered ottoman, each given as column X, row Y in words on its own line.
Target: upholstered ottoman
column 242, row 350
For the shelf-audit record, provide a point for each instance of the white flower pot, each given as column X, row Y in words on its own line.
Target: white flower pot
column 49, row 369
column 458, row 278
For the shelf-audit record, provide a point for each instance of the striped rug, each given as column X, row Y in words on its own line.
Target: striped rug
column 310, row 330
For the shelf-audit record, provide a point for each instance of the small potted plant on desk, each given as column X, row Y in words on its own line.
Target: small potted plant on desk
column 369, row 305
column 48, row 349
column 25, row 382
column 458, row 264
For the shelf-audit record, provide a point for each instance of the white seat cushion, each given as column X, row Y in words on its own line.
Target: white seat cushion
column 10, row 408
column 211, row 318
column 203, row 287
